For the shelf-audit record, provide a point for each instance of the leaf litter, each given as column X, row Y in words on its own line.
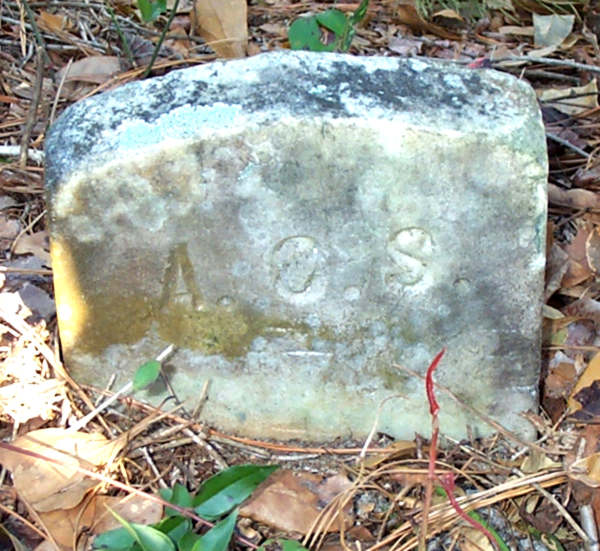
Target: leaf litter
column 522, row 490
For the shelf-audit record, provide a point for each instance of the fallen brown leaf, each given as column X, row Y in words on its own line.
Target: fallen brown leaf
column 590, row 374
column 36, row 244
column 92, row 516
column 578, row 269
column 292, row 501
column 584, row 177
column 57, row 485
column 405, row 12
column 223, row 25
column 94, row 69
column 54, row 22
column 571, row 101
column 559, row 381
column 576, row 198
column 592, row 249
column 586, row 470
column 557, row 264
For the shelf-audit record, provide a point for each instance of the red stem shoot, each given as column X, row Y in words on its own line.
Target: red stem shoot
column 447, row 481
column 434, row 407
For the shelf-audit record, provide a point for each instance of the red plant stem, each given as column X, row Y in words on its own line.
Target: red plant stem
column 447, row 481
column 434, row 409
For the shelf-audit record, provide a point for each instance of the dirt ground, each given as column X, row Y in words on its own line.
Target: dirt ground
column 540, row 495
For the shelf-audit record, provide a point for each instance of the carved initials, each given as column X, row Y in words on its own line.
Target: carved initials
column 179, row 263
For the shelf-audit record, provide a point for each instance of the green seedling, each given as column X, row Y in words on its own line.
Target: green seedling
column 151, row 11
column 144, row 376
column 217, row 498
column 329, row 31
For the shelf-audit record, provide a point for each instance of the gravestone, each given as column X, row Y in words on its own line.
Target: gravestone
column 300, row 225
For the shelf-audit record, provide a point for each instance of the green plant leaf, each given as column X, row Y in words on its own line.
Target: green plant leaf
column 334, row 20
column 175, row 527
column 218, row 537
column 360, row 12
column 179, row 495
column 501, row 544
column 146, row 374
column 338, row 23
column 187, row 542
column 224, row 491
column 345, row 41
column 148, row 538
column 118, row 539
column 286, row 545
column 305, row 34
column 151, row 10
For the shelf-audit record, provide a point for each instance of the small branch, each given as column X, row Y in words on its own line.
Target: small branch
column 36, row 31
column 33, row 107
column 567, row 144
column 35, row 155
column 122, row 36
column 549, row 61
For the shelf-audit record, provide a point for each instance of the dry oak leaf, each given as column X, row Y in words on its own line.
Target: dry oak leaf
column 293, row 501
column 590, row 375
column 57, row 484
column 94, row 69
column 223, row 24
column 36, row 244
column 92, row 516
column 55, row 23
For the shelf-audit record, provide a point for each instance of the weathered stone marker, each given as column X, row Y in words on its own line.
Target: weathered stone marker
column 298, row 224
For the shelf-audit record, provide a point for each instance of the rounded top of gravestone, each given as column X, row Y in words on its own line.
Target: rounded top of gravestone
column 224, row 96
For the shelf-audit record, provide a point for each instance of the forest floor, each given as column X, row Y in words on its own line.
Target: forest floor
column 540, row 495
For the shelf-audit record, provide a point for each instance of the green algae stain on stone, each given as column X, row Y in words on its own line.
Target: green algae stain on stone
column 220, row 330
column 178, row 316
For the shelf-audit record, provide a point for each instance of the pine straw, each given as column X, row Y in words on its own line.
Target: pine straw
column 387, row 476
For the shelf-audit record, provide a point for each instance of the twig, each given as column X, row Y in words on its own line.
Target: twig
column 203, row 443
column 63, row 79
column 548, row 61
column 560, row 507
column 36, row 31
column 247, row 443
column 363, row 451
column 152, row 465
column 586, row 512
column 540, row 73
column 33, row 107
column 22, row 519
column 26, row 229
column 35, row 155
column 11, row 270
column 564, row 142
column 122, row 37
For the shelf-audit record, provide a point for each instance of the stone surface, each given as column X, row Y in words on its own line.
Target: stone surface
column 298, row 224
